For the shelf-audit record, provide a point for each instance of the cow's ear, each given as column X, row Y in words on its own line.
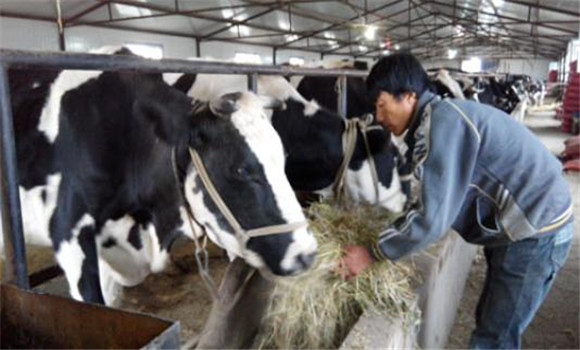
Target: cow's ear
column 168, row 110
column 269, row 102
column 225, row 105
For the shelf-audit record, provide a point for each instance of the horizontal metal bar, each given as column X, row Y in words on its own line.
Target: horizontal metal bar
column 85, row 61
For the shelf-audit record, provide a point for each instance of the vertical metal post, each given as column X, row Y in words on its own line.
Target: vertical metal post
column 253, row 82
column 342, row 96
column 15, row 263
column 274, row 51
column 197, row 47
column 61, row 41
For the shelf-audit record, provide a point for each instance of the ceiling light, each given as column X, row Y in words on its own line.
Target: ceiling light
column 397, row 46
column 370, row 32
column 291, row 37
column 451, row 53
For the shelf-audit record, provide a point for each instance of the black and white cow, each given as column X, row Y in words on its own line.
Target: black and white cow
column 97, row 180
column 312, row 138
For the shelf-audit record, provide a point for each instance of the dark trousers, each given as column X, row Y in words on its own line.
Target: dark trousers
column 518, row 279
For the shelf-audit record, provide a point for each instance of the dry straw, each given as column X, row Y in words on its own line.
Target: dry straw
column 318, row 309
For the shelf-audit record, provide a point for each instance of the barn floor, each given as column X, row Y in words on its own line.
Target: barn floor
column 556, row 325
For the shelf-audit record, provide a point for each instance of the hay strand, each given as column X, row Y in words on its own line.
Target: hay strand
column 318, row 309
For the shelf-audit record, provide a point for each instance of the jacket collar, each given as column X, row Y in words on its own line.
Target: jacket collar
column 422, row 102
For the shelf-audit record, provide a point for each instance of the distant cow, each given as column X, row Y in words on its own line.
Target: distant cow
column 312, row 138
column 104, row 164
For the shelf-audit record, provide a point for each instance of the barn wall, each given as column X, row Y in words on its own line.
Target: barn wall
column 283, row 56
column 441, row 63
column 537, row 69
column 28, row 35
column 227, row 51
column 84, row 38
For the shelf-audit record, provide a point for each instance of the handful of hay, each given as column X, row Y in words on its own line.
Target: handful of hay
column 318, row 309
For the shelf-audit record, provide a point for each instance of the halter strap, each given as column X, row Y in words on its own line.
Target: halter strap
column 349, row 138
column 242, row 234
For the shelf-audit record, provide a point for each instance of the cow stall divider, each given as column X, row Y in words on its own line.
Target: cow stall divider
column 15, row 251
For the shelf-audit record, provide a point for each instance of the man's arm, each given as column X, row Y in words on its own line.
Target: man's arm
column 447, row 171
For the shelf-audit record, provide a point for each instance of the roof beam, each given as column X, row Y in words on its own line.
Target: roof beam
column 88, row 10
column 167, row 13
column 544, row 7
column 335, row 25
column 434, row 2
column 386, row 31
column 243, row 22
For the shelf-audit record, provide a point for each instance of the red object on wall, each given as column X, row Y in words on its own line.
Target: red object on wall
column 552, row 76
column 570, row 113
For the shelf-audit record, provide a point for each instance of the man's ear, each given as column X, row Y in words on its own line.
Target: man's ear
column 408, row 96
column 168, row 110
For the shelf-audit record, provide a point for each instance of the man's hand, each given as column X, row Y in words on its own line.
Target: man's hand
column 356, row 259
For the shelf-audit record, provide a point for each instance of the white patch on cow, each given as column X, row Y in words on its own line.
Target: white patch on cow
column 295, row 80
column 445, row 78
column 209, row 86
column 107, row 49
column 67, row 80
column 188, row 224
column 70, row 256
column 130, row 266
column 35, row 84
column 325, row 192
column 111, row 289
column 36, row 212
column 360, row 186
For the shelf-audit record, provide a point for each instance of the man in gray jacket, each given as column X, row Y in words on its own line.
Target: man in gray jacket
column 473, row 168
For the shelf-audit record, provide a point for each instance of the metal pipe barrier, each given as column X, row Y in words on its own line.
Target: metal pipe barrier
column 16, row 269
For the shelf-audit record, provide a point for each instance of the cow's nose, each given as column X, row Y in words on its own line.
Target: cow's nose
column 304, row 261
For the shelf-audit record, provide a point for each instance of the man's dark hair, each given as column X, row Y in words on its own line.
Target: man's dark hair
column 397, row 74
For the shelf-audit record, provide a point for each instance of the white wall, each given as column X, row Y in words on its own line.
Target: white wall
column 84, row 38
column 283, row 56
column 20, row 34
column 227, row 51
column 441, row 63
column 40, row 35
column 536, row 68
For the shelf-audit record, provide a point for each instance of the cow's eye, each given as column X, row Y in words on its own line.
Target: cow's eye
column 243, row 172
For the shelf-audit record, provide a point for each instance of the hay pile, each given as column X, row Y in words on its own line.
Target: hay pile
column 318, row 309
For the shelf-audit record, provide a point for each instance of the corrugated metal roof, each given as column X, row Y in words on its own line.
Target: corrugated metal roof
column 516, row 28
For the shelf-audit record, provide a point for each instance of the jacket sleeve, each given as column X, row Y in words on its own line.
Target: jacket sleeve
column 452, row 146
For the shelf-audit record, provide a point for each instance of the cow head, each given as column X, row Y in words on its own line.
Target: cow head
column 244, row 158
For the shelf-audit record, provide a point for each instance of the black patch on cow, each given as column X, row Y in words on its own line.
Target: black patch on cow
column 29, row 91
column 110, row 242
column 135, row 237
column 185, row 82
column 323, row 90
column 89, row 283
column 313, row 145
column 43, row 195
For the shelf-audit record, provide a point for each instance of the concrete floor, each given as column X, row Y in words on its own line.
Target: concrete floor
column 556, row 325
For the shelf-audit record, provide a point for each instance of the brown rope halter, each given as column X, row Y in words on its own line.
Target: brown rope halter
column 349, row 137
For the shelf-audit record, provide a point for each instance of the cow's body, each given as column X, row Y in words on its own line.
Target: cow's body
column 312, row 138
column 98, row 183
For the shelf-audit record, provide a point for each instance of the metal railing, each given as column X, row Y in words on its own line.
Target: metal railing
column 15, row 253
